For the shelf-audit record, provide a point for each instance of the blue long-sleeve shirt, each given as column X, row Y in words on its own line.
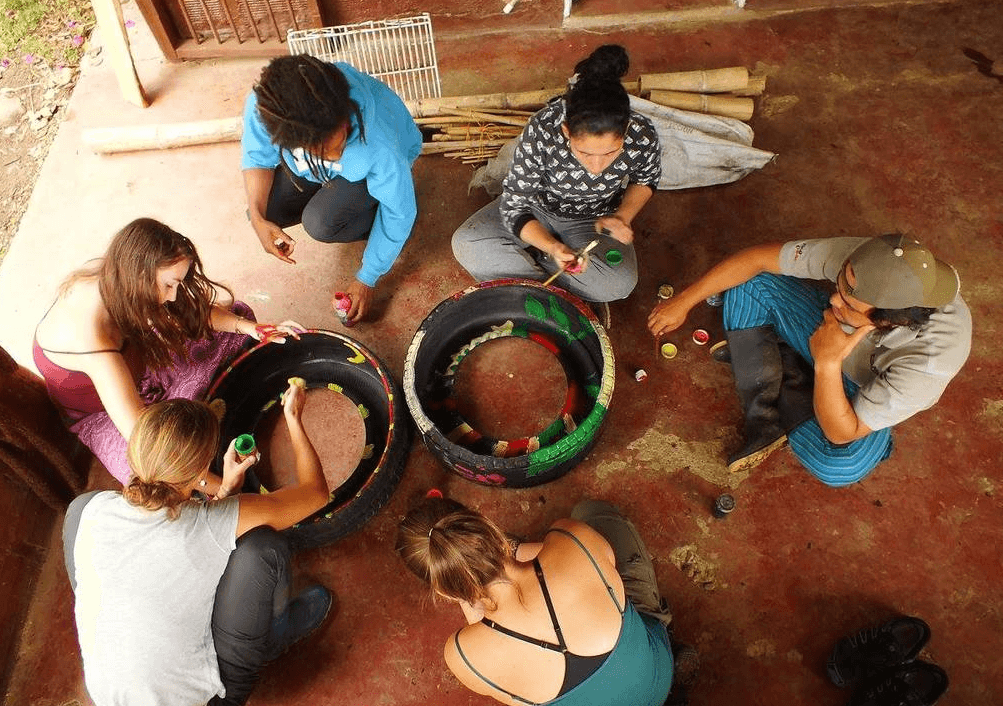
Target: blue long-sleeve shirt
column 392, row 143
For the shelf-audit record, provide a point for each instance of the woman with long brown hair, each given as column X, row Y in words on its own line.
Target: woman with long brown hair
column 547, row 622
column 141, row 324
column 182, row 600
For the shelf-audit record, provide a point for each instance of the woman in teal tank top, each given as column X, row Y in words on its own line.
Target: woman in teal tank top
column 548, row 622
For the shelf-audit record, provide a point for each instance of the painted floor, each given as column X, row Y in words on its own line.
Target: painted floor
column 880, row 123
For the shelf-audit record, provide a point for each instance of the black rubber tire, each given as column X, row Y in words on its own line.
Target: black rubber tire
column 251, row 385
column 510, row 307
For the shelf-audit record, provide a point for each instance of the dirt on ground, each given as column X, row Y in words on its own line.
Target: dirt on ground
column 33, row 100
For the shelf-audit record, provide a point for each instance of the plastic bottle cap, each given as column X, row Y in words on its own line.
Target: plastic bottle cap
column 700, row 337
column 245, row 445
column 614, row 257
column 669, row 350
column 641, row 375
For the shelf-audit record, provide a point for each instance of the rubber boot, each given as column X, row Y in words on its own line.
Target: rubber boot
column 755, row 361
column 797, row 403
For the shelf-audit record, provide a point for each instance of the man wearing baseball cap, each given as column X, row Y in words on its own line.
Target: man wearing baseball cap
column 832, row 372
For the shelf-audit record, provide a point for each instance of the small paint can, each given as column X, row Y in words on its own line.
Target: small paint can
column 669, row 350
column 640, row 375
column 433, row 493
column 342, row 303
column 700, row 337
column 614, row 257
column 245, row 446
column 723, row 505
column 715, row 300
column 666, row 291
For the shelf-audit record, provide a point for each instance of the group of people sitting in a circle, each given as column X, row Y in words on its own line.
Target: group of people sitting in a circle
column 180, row 562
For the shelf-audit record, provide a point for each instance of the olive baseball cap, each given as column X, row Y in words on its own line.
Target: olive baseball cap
column 894, row 271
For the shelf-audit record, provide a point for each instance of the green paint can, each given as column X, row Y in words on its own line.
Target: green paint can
column 613, row 257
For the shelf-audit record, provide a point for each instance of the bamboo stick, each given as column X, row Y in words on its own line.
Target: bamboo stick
column 438, row 147
column 475, row 115
column 732, row 107
column 708, row 81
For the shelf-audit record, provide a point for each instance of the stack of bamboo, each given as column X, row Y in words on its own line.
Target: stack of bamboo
column 725, row 92
column 474, row 128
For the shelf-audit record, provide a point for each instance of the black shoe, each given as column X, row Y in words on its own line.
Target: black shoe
column 915, row 684
column 876, row 649
column 302, row 616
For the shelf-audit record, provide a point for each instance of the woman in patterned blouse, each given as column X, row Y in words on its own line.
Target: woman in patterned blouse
column 584, row 167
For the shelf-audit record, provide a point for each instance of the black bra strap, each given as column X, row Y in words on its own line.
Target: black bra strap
column 550, row 605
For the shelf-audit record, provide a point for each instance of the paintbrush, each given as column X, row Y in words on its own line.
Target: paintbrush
column 578, row 256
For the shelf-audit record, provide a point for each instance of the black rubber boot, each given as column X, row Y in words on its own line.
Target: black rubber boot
column 755, row 361
column 796, row 392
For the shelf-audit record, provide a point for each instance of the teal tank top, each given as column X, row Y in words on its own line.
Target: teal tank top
column 638, row 672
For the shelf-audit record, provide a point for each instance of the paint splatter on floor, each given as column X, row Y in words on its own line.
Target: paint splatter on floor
column 667, row 453
column 702, row 572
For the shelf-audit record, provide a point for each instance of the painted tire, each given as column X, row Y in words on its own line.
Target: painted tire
column 251, row 385
column 487, row 311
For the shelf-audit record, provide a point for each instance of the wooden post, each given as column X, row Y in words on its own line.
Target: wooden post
column 116, row 45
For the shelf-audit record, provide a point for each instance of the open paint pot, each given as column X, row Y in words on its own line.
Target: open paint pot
column 669, row 350
column 614, row 257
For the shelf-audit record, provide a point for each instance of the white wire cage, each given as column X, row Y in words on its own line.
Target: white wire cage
column 400, row 52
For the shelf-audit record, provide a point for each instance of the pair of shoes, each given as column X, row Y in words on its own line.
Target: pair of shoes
column 867, row 652
column 915, row 684
column 881, row 661
column 302, row 616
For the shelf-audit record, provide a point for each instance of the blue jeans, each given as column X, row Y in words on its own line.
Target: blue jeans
column 794, row 309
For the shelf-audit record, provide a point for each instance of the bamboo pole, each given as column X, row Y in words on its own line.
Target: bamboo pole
column 708, row 81
column 108, row 140
column 731, row 107
column 526, row 100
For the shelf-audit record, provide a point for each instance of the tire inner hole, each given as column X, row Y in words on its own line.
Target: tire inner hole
column 335, row 427
column 510, row 388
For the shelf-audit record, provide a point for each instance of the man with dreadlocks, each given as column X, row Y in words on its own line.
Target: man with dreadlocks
column 330, row 147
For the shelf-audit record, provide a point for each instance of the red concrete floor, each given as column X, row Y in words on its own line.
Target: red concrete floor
column 880, row 123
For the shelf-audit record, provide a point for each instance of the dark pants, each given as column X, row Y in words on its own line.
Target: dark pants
column 340, row 211
column 252, row 592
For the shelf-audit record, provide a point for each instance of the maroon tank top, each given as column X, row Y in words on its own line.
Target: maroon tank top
column 71, row 390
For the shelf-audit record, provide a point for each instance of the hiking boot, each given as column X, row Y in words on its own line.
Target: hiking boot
column 302, row 616
column 876, row 649
column 758, row 370
column 915, row 684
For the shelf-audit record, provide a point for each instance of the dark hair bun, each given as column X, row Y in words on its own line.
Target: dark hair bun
column 608, row 62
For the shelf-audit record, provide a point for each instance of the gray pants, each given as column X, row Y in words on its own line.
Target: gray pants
column 487, row 250
column 633, row 562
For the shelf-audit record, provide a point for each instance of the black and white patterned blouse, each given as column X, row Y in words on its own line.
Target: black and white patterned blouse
column 545, row 174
